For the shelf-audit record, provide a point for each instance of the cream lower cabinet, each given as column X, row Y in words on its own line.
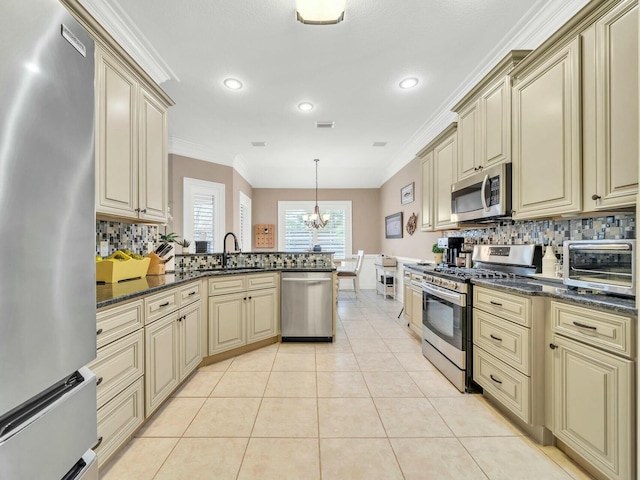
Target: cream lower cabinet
column 173, row 342
column 243, row 309
column 439, row 172
column 119, row 369
column 406, row 296
column 593, row 398
column 508, row 355
column 416, row 310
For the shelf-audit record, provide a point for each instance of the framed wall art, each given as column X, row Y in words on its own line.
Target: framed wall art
column 393, row 225
column 406, row 194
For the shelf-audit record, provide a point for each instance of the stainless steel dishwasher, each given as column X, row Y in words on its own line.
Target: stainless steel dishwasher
column 306, row 306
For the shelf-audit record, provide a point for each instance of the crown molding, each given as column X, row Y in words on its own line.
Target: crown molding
column 197, row 151
column 123, row 29
column 240, row 166
column 541, row 21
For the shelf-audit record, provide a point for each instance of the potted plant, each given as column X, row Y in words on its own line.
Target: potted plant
column 169, row 237
column 437, row 253
column 185, row 245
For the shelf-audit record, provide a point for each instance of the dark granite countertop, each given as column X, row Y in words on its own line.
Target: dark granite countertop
column 557, row 290
column 111, row 293
column 550, row 287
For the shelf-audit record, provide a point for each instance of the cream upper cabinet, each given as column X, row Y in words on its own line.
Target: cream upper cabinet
column 546, row 152
column 610, row 102
column 444, row 175
column 131, row 144
column 116, row 135
column 484, row 119
column 427, row 192
column 439, row 170
column 153, row 164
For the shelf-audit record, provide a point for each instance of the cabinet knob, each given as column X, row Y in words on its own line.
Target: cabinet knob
column 480, row 167
column 595, row 196
column 144, row 210
column 137, row 210
column 99, row 331
column 552, row 346
column 99, row 381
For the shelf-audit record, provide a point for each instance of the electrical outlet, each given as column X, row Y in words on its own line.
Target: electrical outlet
column 104, row 248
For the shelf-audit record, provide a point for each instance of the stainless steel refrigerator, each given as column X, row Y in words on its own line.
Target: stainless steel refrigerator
column 47, row 240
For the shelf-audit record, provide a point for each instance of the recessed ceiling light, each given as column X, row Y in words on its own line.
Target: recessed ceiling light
column 233, row 83
column 305, row 106
column 409, row 82
column 379, row 144
column 259, row 144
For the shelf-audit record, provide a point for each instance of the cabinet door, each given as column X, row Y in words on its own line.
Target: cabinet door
column 416, row 311
column 153, row 160
column 227, row 322
column 407, row 299
column 617, row 106
column 546, row 137
column 116, row 147
column 427, row 193
column 190, row 326
column 495, row 124
column 468, row 140
column 444, row 173
column 262, row 314
column 593, row 407
column 161, row 355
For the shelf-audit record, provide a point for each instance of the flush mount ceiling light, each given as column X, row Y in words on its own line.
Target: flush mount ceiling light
column 315, row 219
column 233, row 83
column 305, row 106
column 320, row 12
column 408, row 82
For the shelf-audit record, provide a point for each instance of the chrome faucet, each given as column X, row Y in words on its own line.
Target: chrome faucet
column 224, row 248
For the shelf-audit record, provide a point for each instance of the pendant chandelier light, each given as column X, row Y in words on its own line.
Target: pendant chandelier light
column 315, row 219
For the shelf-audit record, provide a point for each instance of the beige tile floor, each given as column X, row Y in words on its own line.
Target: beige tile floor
column 368, row 406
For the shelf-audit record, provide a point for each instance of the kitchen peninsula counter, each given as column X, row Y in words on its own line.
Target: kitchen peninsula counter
column 112, row 293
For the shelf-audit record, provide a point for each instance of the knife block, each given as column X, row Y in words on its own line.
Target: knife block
column 156, row 267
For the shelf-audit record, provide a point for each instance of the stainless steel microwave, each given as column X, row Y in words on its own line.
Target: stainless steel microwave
column 604, row 265
column 486, row 194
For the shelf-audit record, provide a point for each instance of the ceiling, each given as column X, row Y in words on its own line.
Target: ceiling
column 349, row 71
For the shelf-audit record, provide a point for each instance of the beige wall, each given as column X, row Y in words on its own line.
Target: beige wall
column 365, row 210
column 181, row 167
column 419, row 244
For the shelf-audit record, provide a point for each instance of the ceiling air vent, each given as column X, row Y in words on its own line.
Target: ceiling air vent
column 259, row 144
column 379, row 144
column 325, row 124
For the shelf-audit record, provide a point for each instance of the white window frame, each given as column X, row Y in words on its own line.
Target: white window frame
column 346, row 205
column 245, row 236
column 192, row 186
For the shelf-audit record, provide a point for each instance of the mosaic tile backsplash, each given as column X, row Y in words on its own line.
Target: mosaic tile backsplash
column 543, row 232
column 209, row 261
column 123, row 236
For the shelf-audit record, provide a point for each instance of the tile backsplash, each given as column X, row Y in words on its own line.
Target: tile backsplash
column 121, row 236
column 541, row 232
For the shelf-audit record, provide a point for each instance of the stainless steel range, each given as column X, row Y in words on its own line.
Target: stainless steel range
column 447, row 306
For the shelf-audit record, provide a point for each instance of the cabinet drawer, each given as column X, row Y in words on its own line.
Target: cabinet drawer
column 118, row 419
column 116, row 322
column 504, row 383
column 265, row 280
column 503, row 339
column 118, row 364
column 159, row 305
column 230, row 284
column 600, row 329
column 505, row 305
column 190, row 293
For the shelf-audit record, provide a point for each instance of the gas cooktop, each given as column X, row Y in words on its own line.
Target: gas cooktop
column 464, row 274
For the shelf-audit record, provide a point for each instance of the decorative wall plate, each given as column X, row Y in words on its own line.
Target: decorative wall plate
column 412, row 224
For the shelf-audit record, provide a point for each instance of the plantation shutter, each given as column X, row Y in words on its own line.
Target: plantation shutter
column 332, row 237
column 297, row 237
column 204, row 207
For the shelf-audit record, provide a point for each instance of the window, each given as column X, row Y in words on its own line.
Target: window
column 245, row 223
column 204, row 212
column 295, row 237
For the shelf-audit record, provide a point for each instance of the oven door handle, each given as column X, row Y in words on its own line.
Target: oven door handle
column 482, row 199
column 453, row 297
